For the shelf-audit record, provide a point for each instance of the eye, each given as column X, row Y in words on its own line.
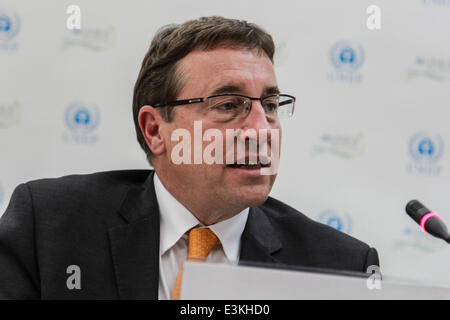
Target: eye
column 271, row 105
column 227, row 106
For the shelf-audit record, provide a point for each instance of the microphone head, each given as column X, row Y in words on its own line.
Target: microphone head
column 416, row 210
column 429, row 221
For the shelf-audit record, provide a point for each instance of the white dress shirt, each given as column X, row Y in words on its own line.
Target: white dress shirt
column 175, row 220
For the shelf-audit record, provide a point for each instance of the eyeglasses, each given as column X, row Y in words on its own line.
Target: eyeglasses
column 229, row 106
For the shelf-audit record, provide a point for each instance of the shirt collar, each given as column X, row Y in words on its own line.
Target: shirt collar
column 176, row 219
column 229, row 233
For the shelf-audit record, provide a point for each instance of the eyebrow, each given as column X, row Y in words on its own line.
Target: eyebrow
column 239, row 89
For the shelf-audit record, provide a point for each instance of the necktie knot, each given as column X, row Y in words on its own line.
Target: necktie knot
column 201, row 243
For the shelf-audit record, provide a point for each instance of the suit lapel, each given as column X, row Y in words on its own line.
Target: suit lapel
column 135, row 245
column 259, row 240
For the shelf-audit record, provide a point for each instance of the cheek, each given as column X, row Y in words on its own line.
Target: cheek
column 280, row 135
column 176, row 132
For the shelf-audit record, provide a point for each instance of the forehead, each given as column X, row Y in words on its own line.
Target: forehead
column 206, row 71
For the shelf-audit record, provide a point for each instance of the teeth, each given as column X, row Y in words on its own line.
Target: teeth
column 252, row 166
column 247, row 166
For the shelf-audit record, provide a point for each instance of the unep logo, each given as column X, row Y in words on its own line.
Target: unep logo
column 9, row 25
column 336, row 220
column 81, row 119
column 347, row 56
column 425, row 150
column 424, row 147
column 9, row 28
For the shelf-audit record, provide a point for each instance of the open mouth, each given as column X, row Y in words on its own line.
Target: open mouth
column 257, row 165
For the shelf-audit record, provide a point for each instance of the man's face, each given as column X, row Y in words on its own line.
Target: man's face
column 206, row 73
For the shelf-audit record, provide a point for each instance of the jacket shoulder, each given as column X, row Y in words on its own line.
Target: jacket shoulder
column 307, row 240
column 287, row 216
column 117, row 177
column 96, row 194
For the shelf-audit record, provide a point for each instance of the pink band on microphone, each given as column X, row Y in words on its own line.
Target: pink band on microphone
column 425, row 218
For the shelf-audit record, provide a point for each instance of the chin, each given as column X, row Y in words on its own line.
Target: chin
column 252, row 198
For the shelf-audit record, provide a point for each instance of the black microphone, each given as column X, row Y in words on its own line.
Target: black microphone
column 429, row 221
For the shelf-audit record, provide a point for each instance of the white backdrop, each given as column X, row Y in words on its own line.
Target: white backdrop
column 369, row 133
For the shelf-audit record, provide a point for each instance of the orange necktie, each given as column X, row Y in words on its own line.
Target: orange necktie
column 201, row 243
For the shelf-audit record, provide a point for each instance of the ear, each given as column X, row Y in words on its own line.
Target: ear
column 150, row 123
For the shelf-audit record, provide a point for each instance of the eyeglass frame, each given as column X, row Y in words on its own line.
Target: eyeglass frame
column 199, row 100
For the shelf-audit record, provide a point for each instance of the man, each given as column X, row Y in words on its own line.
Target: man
column 125, row 234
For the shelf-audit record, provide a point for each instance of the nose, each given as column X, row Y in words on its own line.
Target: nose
column 256, row 118
column 257, row 126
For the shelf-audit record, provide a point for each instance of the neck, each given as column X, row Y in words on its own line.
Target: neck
column 207, row 211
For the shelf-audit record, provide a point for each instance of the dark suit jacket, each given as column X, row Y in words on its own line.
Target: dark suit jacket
column 107, row 223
